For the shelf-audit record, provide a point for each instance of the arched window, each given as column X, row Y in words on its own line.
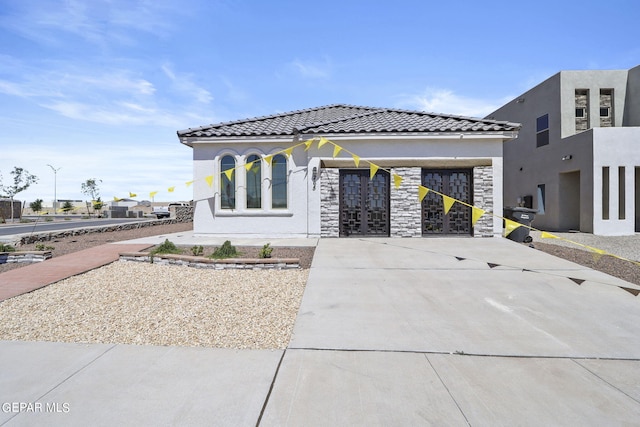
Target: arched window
column 254, row 182
column 227, row 185
column 279, row 182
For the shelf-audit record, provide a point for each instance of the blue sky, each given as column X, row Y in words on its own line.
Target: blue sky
column 98, row 88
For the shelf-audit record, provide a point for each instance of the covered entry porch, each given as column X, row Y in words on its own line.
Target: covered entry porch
column 355, row 205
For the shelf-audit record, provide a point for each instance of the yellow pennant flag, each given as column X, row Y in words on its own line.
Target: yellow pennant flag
column 249, row 165
column 268, row 159
column 188, row 183
column 372, row 170
column 153, row 194
column 546, row 235
column 397, row 180
column 356, row 160
column 288, row 151
column 422, row 192
column 322, row 141
column 307, row 144
column 132, row 194
column 336, row 150
column 509, row 226
column 229, row 173
column 476, row 214
column 115, row 199
column 209, row 180
column 171, row 189
column 448, row 203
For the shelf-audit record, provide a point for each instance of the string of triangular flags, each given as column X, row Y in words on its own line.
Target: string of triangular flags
column 492, row 265
column 448, row 201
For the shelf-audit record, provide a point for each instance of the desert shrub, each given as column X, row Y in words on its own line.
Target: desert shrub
column 167, row 247
column 225, row 251
column 265, row 252
column 6, row 248
column 197, row 250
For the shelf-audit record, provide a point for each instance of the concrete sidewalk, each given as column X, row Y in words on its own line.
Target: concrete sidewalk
column 390, row 332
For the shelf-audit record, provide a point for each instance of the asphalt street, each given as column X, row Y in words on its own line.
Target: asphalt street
column 45, row 226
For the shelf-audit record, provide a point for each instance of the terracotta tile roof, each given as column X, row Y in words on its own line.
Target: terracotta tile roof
column 348, row 119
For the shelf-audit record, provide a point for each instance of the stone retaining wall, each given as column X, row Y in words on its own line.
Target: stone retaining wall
column 217, row 264
column 45, row 237
column 26, row 257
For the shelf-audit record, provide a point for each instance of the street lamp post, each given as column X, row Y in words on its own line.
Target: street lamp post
column 55, row 187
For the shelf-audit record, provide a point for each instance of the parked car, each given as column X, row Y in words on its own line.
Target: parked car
column 161, row 212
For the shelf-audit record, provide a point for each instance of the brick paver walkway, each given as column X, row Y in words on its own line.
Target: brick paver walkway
column 26, row 279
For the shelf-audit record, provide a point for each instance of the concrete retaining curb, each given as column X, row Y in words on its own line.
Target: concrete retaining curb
column 24, row 256
column 218, row 264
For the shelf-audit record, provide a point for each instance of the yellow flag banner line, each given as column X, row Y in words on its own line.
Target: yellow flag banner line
column 229, row 174
column 289, row 151
column 307, row 144
column 397, row 180
column 188, row 183
column 336, row 150
column 153, row 194
column 209, row 180
column 448, row 203
column 476, row 214
column 422, row 192
column 356, row 160
column 546, row 235
column 322, row 141
column 171, row 189
column 373, row 168
column 268, row 159
column 510, row 226
column 132, row 194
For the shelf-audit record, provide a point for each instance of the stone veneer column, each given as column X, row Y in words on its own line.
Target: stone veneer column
column 483, row 199
column 329, row 183
column 405, row 209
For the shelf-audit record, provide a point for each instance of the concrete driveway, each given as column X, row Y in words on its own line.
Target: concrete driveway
column 457, row 332
column 390, row 332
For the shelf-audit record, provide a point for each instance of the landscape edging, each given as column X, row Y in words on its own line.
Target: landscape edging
column 217, row 264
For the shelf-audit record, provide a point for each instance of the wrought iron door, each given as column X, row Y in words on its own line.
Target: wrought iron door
column 364, row 203
column 454, row 183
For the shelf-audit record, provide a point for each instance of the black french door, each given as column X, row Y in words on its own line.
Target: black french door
column 456, row 183
column 364, row 203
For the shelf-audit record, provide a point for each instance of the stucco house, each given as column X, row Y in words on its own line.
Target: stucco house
column 577, row 156
column 345, row 171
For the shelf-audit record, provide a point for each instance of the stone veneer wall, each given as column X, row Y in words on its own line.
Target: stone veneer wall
column 329, row 183
column 45, row 237
column 483, row 199
column 405, row 210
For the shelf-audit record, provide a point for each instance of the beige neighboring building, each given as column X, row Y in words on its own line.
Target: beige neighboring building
column 577, row 156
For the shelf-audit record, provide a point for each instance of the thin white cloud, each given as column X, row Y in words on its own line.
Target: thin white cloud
column 99, row 22
column 313, row 69
column 184, row 84
column 448, row 102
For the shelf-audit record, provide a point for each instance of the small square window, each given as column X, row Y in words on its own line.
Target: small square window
column 581, row 112
column 605, row 111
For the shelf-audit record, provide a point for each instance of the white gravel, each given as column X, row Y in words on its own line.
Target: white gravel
column 139, row 303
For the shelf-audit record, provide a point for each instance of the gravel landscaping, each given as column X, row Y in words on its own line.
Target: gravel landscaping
column 138, row 303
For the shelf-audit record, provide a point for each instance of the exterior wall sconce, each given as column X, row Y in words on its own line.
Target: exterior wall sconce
column 567, row 157
column 314, row 176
